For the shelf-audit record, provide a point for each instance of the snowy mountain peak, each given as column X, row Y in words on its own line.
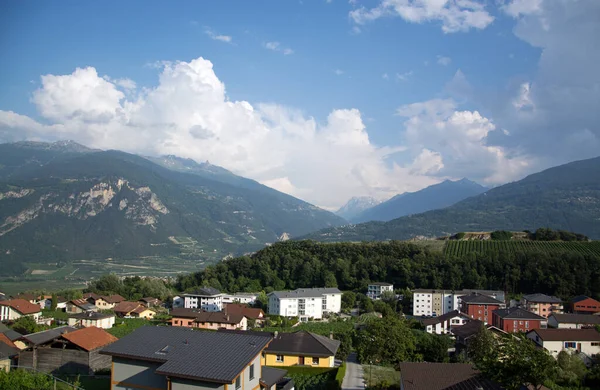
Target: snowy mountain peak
column 356, row 205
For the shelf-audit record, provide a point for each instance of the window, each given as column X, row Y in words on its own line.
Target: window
column 279, row 359
column 238, row 382
column 569, row 344
column 527, row 324
column 595, row 344
column 515, row 323
column 176, row 322
column 251, row 371
column 315, row 360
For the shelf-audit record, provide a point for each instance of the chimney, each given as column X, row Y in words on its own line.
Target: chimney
column 227, row 317
column 331, row 335
column 275, row 334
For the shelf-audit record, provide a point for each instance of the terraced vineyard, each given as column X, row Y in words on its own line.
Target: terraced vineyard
column 459, row 248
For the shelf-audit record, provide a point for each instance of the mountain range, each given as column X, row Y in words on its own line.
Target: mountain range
column 565, row 197
column 355, row 206
column 433, row 197
column 63, row 201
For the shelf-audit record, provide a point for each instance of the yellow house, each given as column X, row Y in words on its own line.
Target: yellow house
column 300, row 348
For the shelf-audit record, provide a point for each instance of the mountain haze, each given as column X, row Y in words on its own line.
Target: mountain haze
column 565, row 197
column 433, row 197
column 59, row 203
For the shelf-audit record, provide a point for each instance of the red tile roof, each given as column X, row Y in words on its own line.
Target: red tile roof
column 22, row 306
column 6, row 340
column 127, row 307
column 90, row 338
column 115, row 298
column 248, row 312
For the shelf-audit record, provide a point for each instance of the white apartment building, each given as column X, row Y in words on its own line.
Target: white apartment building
column 244, row 298
column 439, row 302
column 554, row 341
column 375, row 289
column 305, row 302
column 207, row 298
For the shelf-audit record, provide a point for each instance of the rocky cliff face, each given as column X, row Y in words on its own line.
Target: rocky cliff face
column 140, row 204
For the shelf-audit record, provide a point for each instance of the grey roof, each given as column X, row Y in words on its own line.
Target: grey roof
column 271, row 376
column 304, row 343
column 577, row 318
column 541, row 298
column 444, row 317
column 380, row 284
column 47, row 335
column 480, row 299
column 91, row 315
column 204, row 292
column 187, row 353
column 517, row 313
column 11, row 334
column 6, row 351
column 443, row 376
column 306, row 292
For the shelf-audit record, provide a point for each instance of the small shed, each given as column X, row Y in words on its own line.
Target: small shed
column 66, row 350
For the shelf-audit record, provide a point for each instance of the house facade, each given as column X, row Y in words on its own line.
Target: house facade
column 554, row 341
column 195, row 318
column 99, row 320
column 13, row 309
column 300, row 348
column 305, row 302
column 75, row 306
column 515, row 319
column 375, row 289
column 439, row 302
column 479, row 306
column 251, row 313
column 584, row 305
column 243, row 298
column 573, row 321
column 444, row 323
column 542, row 304
column 133, row 310
column 158, row 358
column 207, row 298
column 107, row 302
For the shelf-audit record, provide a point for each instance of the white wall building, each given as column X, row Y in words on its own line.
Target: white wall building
column 244, row 298
column 569, row 340
column 207, row 298
column 99, row 320
column 305, row 302
column 444, row 323
column 573, row 321
column 439, row 302
column 16, row 308
column 375, row 289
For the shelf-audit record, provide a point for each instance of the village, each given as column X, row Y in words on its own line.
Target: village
column 206, row 338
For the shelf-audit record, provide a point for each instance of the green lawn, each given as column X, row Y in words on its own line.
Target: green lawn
column 375, row 375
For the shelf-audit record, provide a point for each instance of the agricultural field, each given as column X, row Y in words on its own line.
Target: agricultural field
column 459, row 248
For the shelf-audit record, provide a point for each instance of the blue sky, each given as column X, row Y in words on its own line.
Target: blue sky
column 306, row 65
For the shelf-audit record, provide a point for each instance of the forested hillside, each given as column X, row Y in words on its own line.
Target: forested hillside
column 351, row 266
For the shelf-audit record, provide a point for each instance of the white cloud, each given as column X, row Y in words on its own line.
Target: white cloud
column 188, row 114
column 276, row 46
column 404, row 76
column 218, row 37
column 517, row 8
column 385, row 76
column 338, row 72
column 443, row 60
column 454, row 15
column 455, row 143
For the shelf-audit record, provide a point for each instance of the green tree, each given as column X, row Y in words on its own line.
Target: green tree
column 25, row 380
column 54, row 302
column 482, row 349
column 432, row 347
column 385, row 341
column 348, row 300
column 25, row 325
column 571, row 370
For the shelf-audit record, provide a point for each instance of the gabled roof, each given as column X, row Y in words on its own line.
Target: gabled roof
column 47, row 335
column 306, row 292
column 576, row 318
column 204, row 292
column 22, row 306
column 11, row 334
column 248, row 312
column 443, row 376
column 186, row 353
column 90, row 338
column 127, row 307
column 82, row 304
column 5, row 340
column 581, row 298
column 518, row 314
column 115, row 298
column 7, row 348
column 443, row 317
column 479, row 299
column 541, row 298
column 303, row 343
column 568, row 334
column 91, row 315
column 467, row 330
column 271, row 376
column 27, row 297
column 91, row 295
column 201, row 316
column 154, row 301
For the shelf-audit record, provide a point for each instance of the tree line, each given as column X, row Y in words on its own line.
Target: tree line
column 352, row 266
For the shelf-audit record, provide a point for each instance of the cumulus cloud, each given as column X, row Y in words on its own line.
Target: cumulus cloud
column 218, row 37
column 188, row 114
column 404, row 76
column 443, row 60
column 454, row 15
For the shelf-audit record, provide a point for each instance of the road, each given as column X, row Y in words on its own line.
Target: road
column 354, row 379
